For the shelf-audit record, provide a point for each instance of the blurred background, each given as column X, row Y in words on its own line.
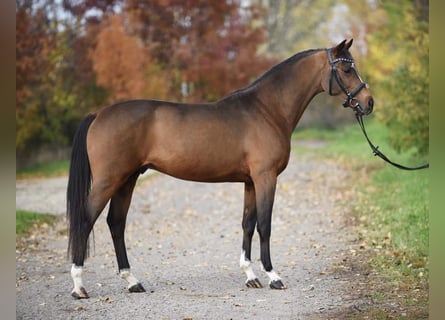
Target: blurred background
column 73, row 57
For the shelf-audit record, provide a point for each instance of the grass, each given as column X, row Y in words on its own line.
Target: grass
column 403, row 209
column 392, row 201
column 349, row 142
column 391, row 211
column 46, row 169
column 26, row 220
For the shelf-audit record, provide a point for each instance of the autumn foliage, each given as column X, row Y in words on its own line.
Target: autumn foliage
column 124, row 66
column 399, row 69
column 73, row 57
column 100, row 52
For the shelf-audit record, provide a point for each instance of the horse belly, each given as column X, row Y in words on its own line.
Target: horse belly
column 200, row 159
column 197, row 143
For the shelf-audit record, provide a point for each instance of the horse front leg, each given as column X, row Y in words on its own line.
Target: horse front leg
column 249, row 223
column 265, row 186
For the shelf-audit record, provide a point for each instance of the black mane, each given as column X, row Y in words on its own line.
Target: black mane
column 273, row 70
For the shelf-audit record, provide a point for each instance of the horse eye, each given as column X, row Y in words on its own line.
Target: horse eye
column 348, row 70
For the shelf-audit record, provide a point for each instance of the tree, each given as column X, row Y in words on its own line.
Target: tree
column 399, row 60
column 101, row 51
column 50, row 95
column 217, row 51
column 191, row 47
column 34, row 44
column 208, row 48
column 124, row 66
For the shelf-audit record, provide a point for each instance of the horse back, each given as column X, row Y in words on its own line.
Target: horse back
column 201, row 142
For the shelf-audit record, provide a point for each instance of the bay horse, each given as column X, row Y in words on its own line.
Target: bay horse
column 244, row 137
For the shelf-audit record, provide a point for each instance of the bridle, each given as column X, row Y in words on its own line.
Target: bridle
column 350, row 100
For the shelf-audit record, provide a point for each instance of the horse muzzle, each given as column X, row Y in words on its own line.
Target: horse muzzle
column 357, row 107
column 368, row 109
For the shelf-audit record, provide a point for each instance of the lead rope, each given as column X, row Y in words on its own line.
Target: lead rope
column 378, row 153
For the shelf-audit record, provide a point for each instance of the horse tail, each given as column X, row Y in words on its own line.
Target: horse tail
column 79, row 185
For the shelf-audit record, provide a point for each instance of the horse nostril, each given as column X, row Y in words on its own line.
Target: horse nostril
column 371, row 103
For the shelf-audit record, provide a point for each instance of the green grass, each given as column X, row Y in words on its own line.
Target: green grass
column 393, row 202
column 394, row 210
column 349, row 141
column 403, row 208
column 47, row 169
column 391, row 209
column 25, row 220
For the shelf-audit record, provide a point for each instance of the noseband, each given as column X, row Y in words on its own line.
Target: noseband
column 350, row 96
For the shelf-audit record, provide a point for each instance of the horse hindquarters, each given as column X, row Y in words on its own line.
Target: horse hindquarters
column 85, row 201
column 86, row 198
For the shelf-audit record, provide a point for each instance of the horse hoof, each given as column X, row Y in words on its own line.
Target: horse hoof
column 277, row 284
column 82, row 294
column 136, row 288
column 254, row 283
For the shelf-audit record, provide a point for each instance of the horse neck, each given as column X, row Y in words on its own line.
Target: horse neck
column 288, row 91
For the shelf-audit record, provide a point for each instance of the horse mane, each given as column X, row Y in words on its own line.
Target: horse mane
column 273, row 70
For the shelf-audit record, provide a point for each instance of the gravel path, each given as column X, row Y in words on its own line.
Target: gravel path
column 184, row 241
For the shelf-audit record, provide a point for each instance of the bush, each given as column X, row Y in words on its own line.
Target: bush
column 397, row 68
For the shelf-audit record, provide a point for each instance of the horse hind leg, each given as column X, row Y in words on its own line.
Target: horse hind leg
column 116, row 219
column 96, row 202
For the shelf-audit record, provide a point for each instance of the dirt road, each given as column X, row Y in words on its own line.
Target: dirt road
column 184, row 241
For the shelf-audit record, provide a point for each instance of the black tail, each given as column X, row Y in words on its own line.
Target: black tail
column 79, row 184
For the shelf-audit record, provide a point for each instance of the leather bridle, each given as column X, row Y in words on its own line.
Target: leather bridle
column 350, row 100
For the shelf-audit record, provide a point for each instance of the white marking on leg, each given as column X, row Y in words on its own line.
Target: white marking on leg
column 128, row 276
column 246, row 265
column 76, row 274
column 273, row 276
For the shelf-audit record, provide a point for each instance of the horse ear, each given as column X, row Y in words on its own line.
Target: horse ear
column 348, row 44
column 340, row 46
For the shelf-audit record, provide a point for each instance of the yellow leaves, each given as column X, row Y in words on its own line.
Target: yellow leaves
column 399, row 42
column 397, row 68
column 383, row 60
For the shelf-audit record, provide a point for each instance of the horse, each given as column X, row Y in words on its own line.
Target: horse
column 244, row 137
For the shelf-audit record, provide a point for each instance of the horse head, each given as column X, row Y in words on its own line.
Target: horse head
column 342, row 78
